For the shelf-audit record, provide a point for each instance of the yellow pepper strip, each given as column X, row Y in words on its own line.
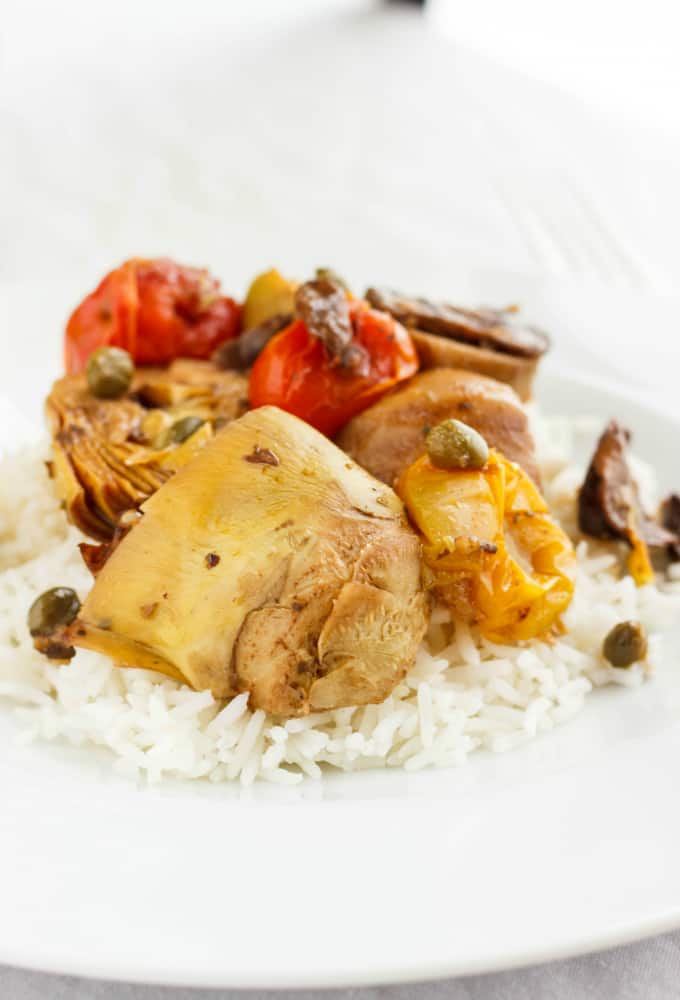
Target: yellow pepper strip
column 497, row 557
column 639, row 563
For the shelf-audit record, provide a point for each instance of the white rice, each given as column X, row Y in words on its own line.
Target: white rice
column 463, row 693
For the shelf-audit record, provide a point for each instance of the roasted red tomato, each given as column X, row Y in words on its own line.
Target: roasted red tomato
column 296, row 372
column 154, row 309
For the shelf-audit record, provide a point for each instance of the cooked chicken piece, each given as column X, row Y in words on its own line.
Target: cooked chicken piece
column 272, row 564
column 390, row 435
column 109, row 454
column 492, row 342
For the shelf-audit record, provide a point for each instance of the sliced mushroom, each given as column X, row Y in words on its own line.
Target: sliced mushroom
column 670, row 519
column 390, row 435
column 240, row 352
column 440, row 352
column 311, row 597
column 609, row 505
column 323, row 307
column 492, row 342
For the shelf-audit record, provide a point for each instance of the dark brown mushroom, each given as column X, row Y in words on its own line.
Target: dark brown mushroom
column 492, row 329
column 609, row 504
column 323, row 307
column 670, row 519
column 241, row 352
column 492, row 342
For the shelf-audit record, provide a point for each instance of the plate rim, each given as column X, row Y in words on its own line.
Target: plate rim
column 621, row 936
column 626, row 932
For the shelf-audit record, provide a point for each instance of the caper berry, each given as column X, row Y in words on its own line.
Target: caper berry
column 58, row 606
column 625, row 644
column 179, row 431
column 328, row 274
column 454, row 445
column 109, row 372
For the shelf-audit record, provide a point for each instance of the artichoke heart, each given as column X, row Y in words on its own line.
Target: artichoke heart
column 104, row 459
column 270, row 563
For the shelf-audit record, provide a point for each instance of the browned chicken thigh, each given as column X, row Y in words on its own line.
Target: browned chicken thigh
column 390, row 435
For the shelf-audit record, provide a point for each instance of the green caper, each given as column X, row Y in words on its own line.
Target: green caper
column 328, row 274
column 179, row 431
column 454, row 445
column 58, row 606
column 109, row 372
column 625, row 644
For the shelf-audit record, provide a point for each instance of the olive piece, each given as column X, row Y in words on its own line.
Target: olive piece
column 109, row 372
column 454, row 445
column 625, row 644
column 58, row 606
column 179, row 431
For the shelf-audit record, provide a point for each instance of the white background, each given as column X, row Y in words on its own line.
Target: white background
column 490, row 149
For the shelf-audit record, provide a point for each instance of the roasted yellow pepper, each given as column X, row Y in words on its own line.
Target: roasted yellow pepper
column 639, row 561
column 270, row 294
column 497, row 557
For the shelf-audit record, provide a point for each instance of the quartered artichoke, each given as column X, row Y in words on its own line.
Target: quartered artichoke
column 109, row 455
column 270, row 563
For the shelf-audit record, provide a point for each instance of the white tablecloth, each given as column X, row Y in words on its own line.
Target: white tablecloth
column 644, row 971
column 343, row 134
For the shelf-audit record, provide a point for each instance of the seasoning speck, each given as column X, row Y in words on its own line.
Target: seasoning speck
column 489, row 547
column 261, row 456
column 212, row 559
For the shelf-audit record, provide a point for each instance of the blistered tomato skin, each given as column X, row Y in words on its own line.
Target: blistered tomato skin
column 296, row 373
column 106, row 317
column 156, row 310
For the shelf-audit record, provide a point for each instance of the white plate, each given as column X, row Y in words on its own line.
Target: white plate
column 566, row 845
